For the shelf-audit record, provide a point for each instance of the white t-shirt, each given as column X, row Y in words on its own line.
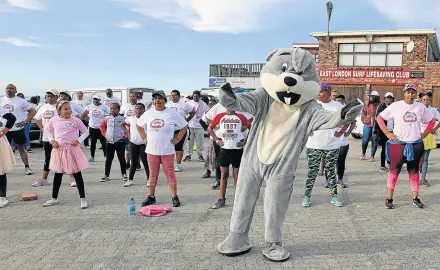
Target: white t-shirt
column 146, row 102
column 2, row 120
column 128, row 110
column 108, row 101
column 96, row 114
column 18, row 107
column 407, row 119
column 200, row 110
column 434, row 113
column 180, row 107
column 135, row 137
column 45, row 113
column 160, row 126
column 83, row 103
column 230, row 128
column 77, row 110
column 325, row 139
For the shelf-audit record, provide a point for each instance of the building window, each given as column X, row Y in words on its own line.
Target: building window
column 316, row 58
column 370, row 54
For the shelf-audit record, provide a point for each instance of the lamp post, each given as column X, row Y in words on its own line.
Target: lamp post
column 329, row 15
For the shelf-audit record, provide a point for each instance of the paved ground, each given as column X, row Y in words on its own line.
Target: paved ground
column 362, row 235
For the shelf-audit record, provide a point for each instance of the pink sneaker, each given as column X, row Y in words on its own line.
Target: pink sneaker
column 40, row 182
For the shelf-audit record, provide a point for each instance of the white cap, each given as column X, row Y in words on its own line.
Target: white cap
column 374, row 93
column 95, row 96
column 389, row 94
column 53, row 91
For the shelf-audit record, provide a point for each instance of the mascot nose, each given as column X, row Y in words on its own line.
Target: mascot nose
column 289, row 81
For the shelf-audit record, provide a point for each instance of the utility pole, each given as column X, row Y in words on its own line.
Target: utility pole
column 329, row 15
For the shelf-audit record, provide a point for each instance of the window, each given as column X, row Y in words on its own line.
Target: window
column 371, row 54
column 316, row 58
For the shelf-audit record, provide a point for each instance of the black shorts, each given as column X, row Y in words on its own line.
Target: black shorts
column 19, row 136
column 179, row 145
column 228, row 157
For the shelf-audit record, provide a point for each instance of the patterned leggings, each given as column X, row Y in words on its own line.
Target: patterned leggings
column 168, row 168
column 314, row 161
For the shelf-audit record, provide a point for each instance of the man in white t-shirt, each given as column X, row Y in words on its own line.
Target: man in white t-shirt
column 196, row 132
column 80, row 101
column 24, row 113
column 109, row 99
column 140, row 99
column 129, row 110
column 183, row 109
column 324, row 143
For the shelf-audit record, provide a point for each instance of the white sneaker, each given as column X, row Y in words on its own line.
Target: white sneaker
column 72, row 181
column 148, row 183
column 124, row 177
column 51, row 202
column 129, row 183
column 178, row 168
column 28, row 171
column 83, row 204
column 40, row 183
column 3, row 202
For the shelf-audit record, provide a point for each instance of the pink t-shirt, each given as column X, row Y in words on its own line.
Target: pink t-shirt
column 65, row 131
column 407, row 119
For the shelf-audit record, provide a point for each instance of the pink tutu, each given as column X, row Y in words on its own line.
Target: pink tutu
column 68, row 159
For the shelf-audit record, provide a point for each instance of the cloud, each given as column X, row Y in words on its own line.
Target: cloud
column 129, row 25
column 23, row 43
column 410, row 13
column 28, row 4
column 80, row 34
column 227, row 16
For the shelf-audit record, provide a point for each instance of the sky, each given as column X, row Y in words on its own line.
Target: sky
column 169, row 44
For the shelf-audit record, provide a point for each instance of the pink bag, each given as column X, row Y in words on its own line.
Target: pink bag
column 154, row 210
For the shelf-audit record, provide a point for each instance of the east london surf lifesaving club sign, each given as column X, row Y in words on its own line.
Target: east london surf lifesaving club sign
column 371, row 74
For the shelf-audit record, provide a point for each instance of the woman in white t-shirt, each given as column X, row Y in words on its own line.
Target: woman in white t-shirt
column 405, row 144
column 96, row 112
column 160, row 123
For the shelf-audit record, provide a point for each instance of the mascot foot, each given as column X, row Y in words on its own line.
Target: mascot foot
column 235, row 244
column 275, row 252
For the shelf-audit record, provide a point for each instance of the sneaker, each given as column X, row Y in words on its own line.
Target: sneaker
column 105, row 179
column 86, row 147
column 138, row 168
column 91, row 159
column 427, row 183
column 201, row 159
column 362, row 157
column 306, row 202
column 29, row 150
column 3, row 202
column 149, row 200
column 371, row 159
column 72, row 181
column 28, row 171
column 51, row 202
column 178, row 168
column 418, row 203
column 124, row 177
column 383, row 169
column 83, row 203
column 176, row 202
column 207, row 174
column 40, row 182
column 337, row 202
column 341, row 184
column 129, row 183
column 187, row 158
column 389, row 203
column 219, row 204
column 148, row 183
column 215, row 186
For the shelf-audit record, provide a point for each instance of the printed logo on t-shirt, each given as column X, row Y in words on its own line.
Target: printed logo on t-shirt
column 9, row 107
column 96, row 112
column 109, row 102
column 48, row 114
column 70, row 124
column 157, row 123
column 130, row 113
column 410, row 117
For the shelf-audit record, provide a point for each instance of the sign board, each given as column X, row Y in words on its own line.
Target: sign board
column 216, row 82
column 236, row 82
column 417, row 74
column 365, row 73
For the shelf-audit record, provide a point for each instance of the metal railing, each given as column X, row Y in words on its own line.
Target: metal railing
column 235, row 70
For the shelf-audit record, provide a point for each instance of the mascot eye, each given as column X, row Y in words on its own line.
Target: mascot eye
column 284, row 67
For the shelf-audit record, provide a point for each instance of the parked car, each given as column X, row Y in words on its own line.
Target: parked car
column 35, row 132
column 358, row 130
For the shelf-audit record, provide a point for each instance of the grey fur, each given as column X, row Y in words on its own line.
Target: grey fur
column 280, row 175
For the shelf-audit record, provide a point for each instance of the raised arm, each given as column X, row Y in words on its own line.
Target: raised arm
column 249, row 102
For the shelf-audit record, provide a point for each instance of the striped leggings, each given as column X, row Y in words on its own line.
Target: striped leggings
column 168, row 168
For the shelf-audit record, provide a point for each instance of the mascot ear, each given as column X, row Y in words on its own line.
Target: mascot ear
column 301, row 59
column 271, row 54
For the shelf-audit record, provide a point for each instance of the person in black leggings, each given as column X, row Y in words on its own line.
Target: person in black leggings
column 379, row 135
column 136, row 145
column 97, row 112
column 95, row 135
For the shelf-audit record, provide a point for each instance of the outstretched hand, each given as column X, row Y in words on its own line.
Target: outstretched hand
column 227, row 88
column 348, row 108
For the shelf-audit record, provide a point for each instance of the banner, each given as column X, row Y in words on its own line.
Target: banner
column 359, row 73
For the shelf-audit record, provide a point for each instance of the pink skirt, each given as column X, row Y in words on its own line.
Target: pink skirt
column 68, row 159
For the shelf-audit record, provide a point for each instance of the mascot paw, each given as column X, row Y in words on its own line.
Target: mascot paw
column 275, row 252
column 351, row 110
column 236, row 244
column 227, row 88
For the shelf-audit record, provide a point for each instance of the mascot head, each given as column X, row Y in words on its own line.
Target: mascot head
column 290, row 77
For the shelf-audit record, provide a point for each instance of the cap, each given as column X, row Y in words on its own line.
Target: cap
column 159, row 93
column 63, row 92
column 374, row 93
column 410, row 86
column 326, row 87
column 95, row 96
column 53, row 91
column 388, row 95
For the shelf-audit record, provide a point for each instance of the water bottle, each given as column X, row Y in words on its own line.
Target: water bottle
column 132, row 207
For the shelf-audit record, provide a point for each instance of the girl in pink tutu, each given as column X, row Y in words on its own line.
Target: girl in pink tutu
column 67, row 156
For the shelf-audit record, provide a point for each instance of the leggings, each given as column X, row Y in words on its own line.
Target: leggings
column 217, row 164
column 79, row 184
column 343, row 151
column 86, row 141
column 366, row 137
column 95, row 135
column 137, row 151
column 397, row 159
column 3, row 184
column 47, row 153
column 425, row 163
column 314, row 160
column 119, row 148
column 168, row 168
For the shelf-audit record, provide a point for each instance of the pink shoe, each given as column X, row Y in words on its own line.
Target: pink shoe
column 40, row 182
